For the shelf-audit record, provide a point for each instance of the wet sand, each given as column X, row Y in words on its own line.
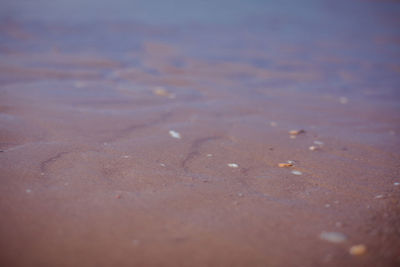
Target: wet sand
column 91, row 174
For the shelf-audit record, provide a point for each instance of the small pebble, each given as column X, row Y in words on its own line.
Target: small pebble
column 162, row 164
column 358, row 250
column 209, row 155
column 296, row 132
column 327, row 205
column 28, row 191
column 126, row 157
column 333, row 237
column 160, row 91
column 233, row 165
column 313, row 148
column 379, row 196
column 284, row 165
column 175, row 134
column 319, row 143
column 297, row 172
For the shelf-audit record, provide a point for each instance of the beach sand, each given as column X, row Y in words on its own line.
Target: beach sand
column 139, row 144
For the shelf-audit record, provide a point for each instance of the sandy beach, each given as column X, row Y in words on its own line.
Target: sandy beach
column 133, row 140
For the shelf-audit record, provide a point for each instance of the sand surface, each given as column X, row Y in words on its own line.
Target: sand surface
column 148, row 134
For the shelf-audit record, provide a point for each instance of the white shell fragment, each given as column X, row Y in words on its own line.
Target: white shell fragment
column 297, row 172
column 333, row 237
column 233, row 165
column 175, row 134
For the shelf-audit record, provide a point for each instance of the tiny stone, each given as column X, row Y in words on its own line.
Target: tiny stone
column 209, row 155
column 313, row 148
column 284, row 165
column 333, row 237
column 379, row 196
column 162, row 164
column 126, row 157
column 358, row 250
column 175, row 134
column 28, row 191
column 319, row 143
column 297, row 172
column 233, row 165
column 327, row 205
column 296, row 132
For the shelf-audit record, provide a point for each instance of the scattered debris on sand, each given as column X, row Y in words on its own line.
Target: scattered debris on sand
column 233, row 165
column 333, row 237
column 297, row 172
column 358, row 250
column 175, row 134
